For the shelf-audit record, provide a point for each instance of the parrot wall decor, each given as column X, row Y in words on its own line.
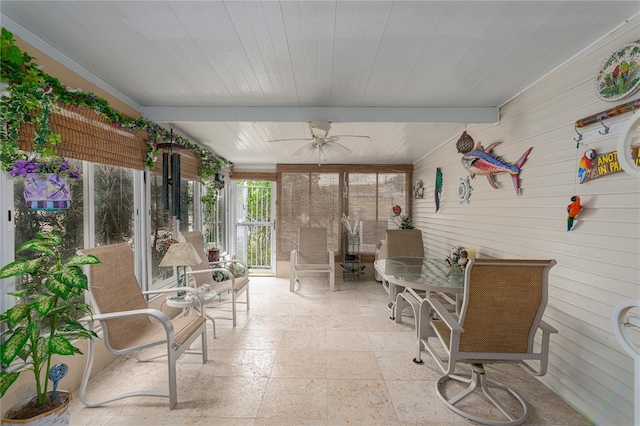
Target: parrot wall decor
column 573, row 210
column 585, row 163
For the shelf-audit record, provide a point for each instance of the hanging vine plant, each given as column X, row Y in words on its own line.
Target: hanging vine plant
column 25, row 98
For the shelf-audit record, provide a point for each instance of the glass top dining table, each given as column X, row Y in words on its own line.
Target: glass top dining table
column 422, row 273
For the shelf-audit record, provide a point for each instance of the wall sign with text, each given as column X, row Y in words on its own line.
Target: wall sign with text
column 604, row 164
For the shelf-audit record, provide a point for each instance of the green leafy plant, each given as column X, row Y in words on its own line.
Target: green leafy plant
column 46, row 301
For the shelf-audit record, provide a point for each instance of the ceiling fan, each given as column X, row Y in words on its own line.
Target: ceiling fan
column 321, row 141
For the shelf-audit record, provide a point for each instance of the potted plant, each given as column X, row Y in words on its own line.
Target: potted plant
column 43, row 321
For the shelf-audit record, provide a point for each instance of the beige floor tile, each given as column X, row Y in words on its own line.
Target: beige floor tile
column 348, row 340
column 240, row 363
column 400, row 366
column 311, row 357
column 306, row 322
column 353, row 365
column 300, row 364
column 304, row 340
column 257, row 339
column 359, row 402
column 345, row 322
column 393, row 341
column 293, row 400
column 417, row 402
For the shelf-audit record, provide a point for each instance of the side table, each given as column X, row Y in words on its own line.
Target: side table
column 188, row 306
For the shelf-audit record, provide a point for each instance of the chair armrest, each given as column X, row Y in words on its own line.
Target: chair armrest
column 445, row 315
column 190, row 290
column 210, row 271
column 543, row 354
column 546, row 328
column 293, row 257
column 159, row 315
column 239, row 262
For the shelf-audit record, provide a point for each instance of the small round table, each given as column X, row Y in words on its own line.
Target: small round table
column 188, row 306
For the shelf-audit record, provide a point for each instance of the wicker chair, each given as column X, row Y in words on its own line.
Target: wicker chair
column 129, row 325
column 235, row 283
column 312, row 255
column 504, row 301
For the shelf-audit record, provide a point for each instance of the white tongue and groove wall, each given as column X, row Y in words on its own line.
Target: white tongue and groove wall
column 598, row 260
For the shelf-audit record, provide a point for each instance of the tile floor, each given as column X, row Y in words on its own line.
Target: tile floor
column 306, row 358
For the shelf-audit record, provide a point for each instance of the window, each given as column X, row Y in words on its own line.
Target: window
column 308, row 199
column 68, row 223
column 161, row 230
column 371, row 199
column 213, row 217
column 312, row 197
column 114, row 205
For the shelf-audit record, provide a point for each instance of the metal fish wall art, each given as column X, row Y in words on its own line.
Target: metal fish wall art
column 479, row 161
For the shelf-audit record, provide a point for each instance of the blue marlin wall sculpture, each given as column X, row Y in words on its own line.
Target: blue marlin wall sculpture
column 480, row 162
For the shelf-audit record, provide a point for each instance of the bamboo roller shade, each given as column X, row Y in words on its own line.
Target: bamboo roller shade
column 88, row 136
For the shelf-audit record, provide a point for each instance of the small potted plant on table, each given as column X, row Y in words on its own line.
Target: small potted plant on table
column 42, row 323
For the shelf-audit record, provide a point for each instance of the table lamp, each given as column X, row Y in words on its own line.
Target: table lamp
column 181, row 254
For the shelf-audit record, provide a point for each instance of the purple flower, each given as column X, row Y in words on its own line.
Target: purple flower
column 55, row 165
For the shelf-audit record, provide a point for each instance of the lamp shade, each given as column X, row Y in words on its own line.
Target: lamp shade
column 181, row 254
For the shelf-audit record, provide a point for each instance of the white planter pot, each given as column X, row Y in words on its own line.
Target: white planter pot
column 56, row 417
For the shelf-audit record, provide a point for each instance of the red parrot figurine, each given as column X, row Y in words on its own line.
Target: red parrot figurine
column 585, row 162
column 573, row 209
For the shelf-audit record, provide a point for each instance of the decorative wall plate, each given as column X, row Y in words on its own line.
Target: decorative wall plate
column 619, row 75
column 464, row 190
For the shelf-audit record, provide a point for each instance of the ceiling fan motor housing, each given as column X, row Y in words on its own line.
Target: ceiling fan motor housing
column 325, row 126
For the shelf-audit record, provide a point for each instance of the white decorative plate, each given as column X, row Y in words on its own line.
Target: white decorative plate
column 619, row 75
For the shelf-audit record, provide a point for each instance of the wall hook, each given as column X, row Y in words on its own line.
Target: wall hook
column 606, row 128
column 579, row 138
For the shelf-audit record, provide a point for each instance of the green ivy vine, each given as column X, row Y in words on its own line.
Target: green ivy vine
column 30, row 90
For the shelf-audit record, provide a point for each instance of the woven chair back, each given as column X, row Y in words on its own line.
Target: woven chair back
column 404, row 243
column 114, row 287
column 504, row 302
column 312, row 246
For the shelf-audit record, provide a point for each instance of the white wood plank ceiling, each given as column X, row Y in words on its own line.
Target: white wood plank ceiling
column 231, row 75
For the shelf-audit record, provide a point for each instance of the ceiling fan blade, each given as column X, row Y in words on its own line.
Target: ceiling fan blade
column 307, row 149
column 351, row 136
column 339, row 149
column 294, row 139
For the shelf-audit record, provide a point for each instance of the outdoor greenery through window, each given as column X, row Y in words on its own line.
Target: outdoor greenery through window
column 114, row 205
column 68, row 223
column 254, row 223
column 213, row 217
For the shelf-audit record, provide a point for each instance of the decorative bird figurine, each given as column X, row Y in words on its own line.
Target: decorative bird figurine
column 573, row 209
column 585, row 162
column 56, row 373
